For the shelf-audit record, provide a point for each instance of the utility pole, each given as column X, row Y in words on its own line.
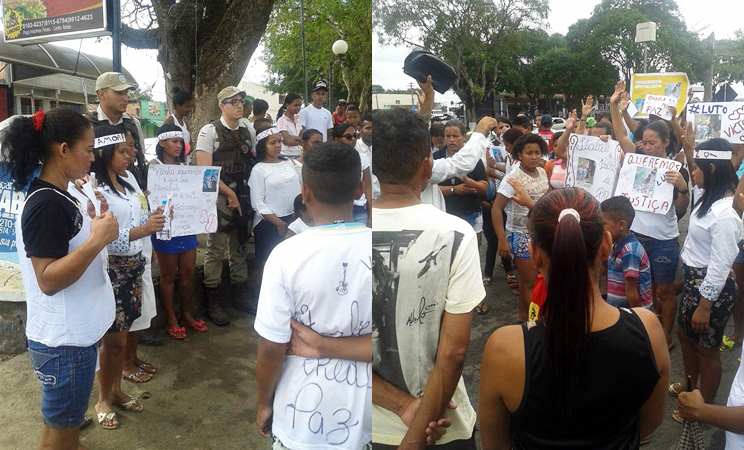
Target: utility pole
column 708, row 87
column 304, row 61
column 410, row 86
column 116, row 35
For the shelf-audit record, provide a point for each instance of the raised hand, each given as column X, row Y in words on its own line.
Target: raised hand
column 619, row 90
column 571, row 121
column 588, row 107
column 624, row 101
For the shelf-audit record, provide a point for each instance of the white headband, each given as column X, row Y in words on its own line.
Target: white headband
column 111, row 139
column 569, row 212
column 712, row 154
column 266, row 133
column 170, row 135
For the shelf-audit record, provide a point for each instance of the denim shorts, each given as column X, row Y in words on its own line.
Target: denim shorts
column 361, row 214
column 663, row 257
column 66, row 375
column 518, row 244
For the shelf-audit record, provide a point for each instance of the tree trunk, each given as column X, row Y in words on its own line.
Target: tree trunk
column 203, row 47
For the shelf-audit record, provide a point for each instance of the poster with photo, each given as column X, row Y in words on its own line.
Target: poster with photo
column 717, row 120
column 593, row 165
column 669, row 84
column 193, row 191
column 643, row 180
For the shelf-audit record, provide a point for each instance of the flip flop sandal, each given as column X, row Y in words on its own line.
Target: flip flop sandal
column 133, row 377
column 108, row 417
column 486, row 281
column 727, row 344
column 146, row 365
column 512, row 279
column 676, row 417
column 199, row 326
column 133, row 405
column 177, row 333
column 87, row 420
column 515, row 292
column 673, row 390
column 481, row 309
column 645, row 441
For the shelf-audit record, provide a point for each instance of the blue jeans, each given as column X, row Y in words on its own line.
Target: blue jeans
column 66, row 375
column 361, row 214
column 663, row 257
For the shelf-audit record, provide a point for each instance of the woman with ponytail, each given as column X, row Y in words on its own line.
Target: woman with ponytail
column 69, row 300
column 586, row 375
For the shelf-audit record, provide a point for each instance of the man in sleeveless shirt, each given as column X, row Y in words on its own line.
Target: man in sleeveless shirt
column 113, row 96
column 229, row 142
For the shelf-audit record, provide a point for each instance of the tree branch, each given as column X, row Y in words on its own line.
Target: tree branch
column 148, row 39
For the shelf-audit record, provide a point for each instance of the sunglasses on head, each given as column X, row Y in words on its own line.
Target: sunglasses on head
column 234, row 102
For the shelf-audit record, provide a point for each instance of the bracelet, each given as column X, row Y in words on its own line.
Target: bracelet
column 686, row 191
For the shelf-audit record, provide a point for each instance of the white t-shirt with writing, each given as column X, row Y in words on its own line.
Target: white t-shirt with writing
column 312, row 118
column 323, row 278
column 426, row 264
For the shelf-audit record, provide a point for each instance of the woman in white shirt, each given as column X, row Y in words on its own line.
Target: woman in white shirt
column 708, row 253
column 126, row 265
column 182, row 104
column 289, row 127
column 60, row 250
column 274, row 184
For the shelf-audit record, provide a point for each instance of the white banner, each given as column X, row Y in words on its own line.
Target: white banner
column 194, row 196
column 659, row 105
column 643, row 180
column 593, row 165
column 717, row 120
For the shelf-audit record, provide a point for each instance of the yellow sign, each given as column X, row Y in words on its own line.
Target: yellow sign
column 13, row 24
column 674, row 84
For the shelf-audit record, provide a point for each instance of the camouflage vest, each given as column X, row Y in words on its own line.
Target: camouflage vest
column 138, row 167
column 234, row 153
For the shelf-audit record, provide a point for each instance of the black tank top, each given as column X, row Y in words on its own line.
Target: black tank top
column 617, row 376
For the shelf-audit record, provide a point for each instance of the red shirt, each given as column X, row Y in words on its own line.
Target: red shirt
column 337, row 120
column 548, row 136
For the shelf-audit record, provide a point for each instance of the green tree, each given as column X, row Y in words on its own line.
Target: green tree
column 728, row 65
column 610, row 33
column 521, row 76
column 476, row 37
column 202, row 46
column 325, row 22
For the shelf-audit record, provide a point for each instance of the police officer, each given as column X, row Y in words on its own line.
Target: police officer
column 229, row 142
column 113, row 96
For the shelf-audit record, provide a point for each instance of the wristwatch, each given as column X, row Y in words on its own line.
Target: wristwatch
column 452, row 190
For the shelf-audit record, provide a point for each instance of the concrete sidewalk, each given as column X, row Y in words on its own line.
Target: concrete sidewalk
column 203, row 397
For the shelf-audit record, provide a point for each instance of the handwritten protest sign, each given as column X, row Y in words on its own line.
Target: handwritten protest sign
column 593, row 165
column 673, row 84
column 717, row 120
column 194, row 196
column 659, row 105
column 643, row 180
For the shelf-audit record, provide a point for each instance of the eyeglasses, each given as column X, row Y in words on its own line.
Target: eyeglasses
column 234, row 102
column 349, row 136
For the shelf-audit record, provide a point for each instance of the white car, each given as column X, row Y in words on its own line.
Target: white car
column 559, row 124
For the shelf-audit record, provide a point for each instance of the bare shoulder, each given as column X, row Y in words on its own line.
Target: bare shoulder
column 169, row 120
column 154, row 161
column 506, row 342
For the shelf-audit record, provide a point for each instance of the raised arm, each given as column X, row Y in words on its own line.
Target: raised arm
column 465, row 160
column 586, row 111
column 561, row 146
column 629, row 121
column 617, row 122
column 426, row 98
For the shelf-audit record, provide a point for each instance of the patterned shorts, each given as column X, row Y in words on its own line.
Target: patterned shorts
column 518, row 244
column 126, row 279
column 277, row 445
column 719, row 313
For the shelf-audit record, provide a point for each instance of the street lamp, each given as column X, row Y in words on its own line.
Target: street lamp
column 645, row 32
column 339, row 48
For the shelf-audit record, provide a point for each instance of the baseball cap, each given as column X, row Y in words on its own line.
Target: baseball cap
column 113, row 80
column 591, row 121
column 230, row 91
column 320, row 84
column 546, row 119
column 342, row 101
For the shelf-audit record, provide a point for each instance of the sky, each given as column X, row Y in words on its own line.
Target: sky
column 720, row 16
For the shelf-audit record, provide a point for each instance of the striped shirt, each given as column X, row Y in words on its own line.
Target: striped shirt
column 628, row 260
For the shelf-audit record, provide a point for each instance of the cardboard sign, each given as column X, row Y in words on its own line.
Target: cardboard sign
column 659, row 105
column 643, row 180
column 194, row 196
column 675, row 84
column 717, row 120
column 593, row 165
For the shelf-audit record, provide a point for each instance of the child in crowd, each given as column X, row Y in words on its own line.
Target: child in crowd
column 303, row 219
column 528, row 150
column 628, row 268
column 289, row 126
column 352, row 116
column 310, row 138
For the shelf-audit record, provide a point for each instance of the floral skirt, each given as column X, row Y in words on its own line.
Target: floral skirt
column 126, row 279
column 719, row 312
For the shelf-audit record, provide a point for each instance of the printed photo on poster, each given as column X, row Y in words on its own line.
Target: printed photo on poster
column 643, row 180
column 593, row 165
column 707, row 126
column 717, row 119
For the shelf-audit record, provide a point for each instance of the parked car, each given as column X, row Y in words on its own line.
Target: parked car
column 559, row 124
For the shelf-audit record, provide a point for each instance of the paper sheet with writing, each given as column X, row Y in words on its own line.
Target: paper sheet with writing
column 194, row 190
column 717, row 120
column 643, row 180
column 593, row 165
column 669, row 84
column 90, row 192
column 659, row 105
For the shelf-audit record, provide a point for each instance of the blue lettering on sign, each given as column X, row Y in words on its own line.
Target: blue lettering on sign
column 11, row 203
